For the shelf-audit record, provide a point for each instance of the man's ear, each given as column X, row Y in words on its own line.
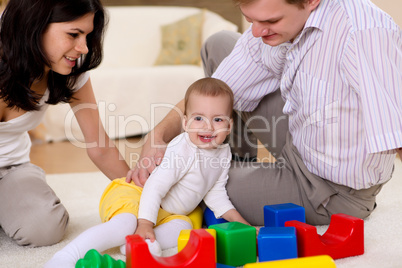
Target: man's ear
column 312, row 4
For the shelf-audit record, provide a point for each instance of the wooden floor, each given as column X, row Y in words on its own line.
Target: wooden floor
column 64, row 157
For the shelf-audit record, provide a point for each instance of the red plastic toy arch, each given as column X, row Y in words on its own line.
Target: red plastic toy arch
column 198, row 253
column 343, row 238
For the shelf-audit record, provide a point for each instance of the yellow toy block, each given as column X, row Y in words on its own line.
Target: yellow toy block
column 185, row 236
column 196, row 217
column 322, row 261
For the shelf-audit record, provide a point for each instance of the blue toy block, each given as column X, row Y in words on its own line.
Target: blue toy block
column 277, row 243
column 220, row 265
column 277, row 215
column 210, row 219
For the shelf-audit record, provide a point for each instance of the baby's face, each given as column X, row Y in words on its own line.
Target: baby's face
column 208, row 120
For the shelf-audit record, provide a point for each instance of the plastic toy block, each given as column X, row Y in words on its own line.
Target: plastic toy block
column 220, row 265
column 196, row 217
column 277, row 215
column 93, row 259
column 209, row 218
column 306, row 262
column 277, row 243
column 185, row 236
column 343, row 238
column 235, row 243
column 198, row 253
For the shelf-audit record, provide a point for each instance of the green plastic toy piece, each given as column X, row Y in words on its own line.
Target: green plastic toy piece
column 236, row 243
column 95, row 260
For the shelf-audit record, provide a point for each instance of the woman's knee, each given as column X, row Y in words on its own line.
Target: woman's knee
column 33, row 215
column 42, row 227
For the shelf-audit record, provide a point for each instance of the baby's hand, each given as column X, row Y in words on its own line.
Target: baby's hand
column 258, row 229
column 146, row 229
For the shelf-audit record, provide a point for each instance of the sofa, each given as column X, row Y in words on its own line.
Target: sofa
column 151, row 56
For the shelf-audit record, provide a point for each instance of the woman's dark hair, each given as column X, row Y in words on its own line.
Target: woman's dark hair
column 22, row 58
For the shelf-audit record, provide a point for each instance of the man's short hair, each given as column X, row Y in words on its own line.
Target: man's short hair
column 299, row 3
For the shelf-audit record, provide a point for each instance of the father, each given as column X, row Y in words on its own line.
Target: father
column 318, row 82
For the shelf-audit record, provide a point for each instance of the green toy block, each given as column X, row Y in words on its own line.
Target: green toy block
column 93, row 259
column 235, row 243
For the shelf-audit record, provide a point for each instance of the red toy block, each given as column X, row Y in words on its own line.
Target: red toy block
column 198, row 253
column 343, row 238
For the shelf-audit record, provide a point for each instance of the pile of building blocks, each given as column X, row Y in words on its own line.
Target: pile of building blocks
column 284, row 241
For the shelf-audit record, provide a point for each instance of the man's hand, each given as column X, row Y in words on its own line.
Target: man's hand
column 151, row 156
column 145, row 229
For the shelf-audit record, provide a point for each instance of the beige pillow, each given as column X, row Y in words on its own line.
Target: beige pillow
column 181, row 41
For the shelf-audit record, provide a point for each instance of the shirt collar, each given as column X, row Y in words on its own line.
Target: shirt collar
column 316, row 19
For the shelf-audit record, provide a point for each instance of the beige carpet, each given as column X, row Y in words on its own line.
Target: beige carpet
column 80, row 193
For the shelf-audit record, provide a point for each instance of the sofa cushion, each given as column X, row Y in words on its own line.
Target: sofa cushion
column 181, row 41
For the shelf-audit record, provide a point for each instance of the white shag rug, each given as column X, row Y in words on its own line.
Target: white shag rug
column 80, row 193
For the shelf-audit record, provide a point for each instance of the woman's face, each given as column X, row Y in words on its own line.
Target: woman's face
column 65, row 42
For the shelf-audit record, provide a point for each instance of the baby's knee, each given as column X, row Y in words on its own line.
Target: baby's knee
column 124, row 224
column 42, row 227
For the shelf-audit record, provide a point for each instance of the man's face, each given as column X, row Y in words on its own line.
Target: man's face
column 276, row 21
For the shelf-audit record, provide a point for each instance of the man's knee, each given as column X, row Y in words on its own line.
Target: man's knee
column 43, row 227
column 227, row 38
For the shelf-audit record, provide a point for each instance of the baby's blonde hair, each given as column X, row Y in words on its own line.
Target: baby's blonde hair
column 209, row 87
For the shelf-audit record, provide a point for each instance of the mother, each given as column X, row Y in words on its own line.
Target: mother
column 46, row 49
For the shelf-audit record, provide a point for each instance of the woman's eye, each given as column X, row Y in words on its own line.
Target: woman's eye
column 73, row 35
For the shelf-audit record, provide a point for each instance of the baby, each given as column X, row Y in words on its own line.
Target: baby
column 195, row 168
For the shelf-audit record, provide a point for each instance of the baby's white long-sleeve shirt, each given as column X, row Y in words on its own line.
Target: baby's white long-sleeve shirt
column 186, row 176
